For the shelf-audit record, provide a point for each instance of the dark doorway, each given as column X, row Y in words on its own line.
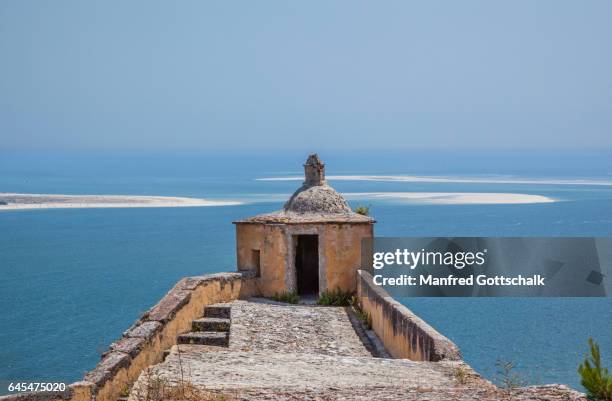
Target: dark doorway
column 307, row 264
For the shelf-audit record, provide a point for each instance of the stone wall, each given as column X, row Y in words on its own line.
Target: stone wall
column 343, row 253
column 144, row 343
column 403, row 334
column 269, row 240
column 339, row 253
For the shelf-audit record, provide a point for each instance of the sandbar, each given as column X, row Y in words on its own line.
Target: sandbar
column 15, row 201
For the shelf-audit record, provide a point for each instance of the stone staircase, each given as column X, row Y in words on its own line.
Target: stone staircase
column 212, row 329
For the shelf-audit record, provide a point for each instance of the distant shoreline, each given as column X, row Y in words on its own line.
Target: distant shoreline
column 455, row 198
column 451, row 180
column 15, row 201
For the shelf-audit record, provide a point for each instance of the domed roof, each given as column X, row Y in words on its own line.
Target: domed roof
column 314, row 202
column 317, row 199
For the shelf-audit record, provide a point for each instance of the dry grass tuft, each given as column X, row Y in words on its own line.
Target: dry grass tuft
column 157, row 388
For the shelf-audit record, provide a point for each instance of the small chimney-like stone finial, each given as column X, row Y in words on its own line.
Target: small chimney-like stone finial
column 314, row 171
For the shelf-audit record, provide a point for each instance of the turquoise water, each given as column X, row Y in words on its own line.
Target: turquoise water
column 71, row 281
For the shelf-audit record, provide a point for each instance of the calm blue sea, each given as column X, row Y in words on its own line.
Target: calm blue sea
column 71, row 281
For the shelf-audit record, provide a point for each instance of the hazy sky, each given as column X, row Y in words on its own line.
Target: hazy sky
column 311, row 74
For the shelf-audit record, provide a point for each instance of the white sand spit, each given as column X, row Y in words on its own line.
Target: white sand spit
column 16, row 201
column 453, row 198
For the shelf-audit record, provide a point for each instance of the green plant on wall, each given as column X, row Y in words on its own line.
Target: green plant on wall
column 335, row 297
column 595, row 378
column 363, row 210
column 286, row 297
column 364, row 317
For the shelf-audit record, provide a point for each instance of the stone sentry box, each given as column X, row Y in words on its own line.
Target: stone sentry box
column 313, row 244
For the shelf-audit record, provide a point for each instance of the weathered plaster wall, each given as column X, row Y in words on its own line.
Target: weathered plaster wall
column 273, row 258
column 404, row 334
column 342, row 249
column 249, row 286
column 248, row 237
column 339, row 253
column 269, row 240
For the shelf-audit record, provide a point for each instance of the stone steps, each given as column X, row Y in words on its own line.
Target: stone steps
column 212, row 329
column 211, row 324
column 217, row 338
column 218, row 311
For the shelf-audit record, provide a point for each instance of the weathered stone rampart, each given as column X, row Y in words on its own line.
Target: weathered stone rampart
column 403, row 333
column 145, row 342
column 273, row 348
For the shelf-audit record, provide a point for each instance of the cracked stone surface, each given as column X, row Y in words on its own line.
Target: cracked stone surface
column 313, row 353
column 293, row 328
